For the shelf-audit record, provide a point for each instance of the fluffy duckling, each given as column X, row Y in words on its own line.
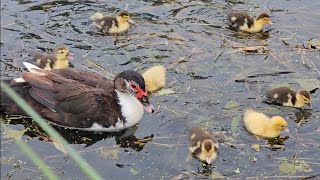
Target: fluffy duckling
column 242, row 21
column 113, row 25
column 203, row 145
column 262, row 126
column 284, row 96
column 155, row 78
column 56, row 60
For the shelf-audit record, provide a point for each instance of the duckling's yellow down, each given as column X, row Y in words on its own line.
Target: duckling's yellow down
column 155, row 78
column 261, row 125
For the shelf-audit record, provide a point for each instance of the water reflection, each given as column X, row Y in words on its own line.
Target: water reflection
column 125, row 139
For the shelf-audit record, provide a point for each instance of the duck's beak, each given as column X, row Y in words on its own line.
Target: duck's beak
column 286, row 129
column 270, row 22
column 70, row 56
column 209, row 160
column 131, row 21
column 146, row 104
column 309, row 104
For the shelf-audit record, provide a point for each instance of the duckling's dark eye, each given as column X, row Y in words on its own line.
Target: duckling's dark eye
column 282, row 126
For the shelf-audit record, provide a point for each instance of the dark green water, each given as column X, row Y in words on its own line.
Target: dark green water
column 209, row 87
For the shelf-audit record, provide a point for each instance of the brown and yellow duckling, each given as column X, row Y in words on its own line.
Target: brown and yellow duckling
column 242, row 21
column 262, row 126
column 203, row 145
column 285, row 96
column 59, row 59
column 113, row 25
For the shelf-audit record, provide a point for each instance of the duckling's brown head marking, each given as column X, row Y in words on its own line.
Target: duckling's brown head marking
column 208, row 150
column 123, row 17
column 62, row 53
column 305, row 96
column 279, row 123
column 264, row 18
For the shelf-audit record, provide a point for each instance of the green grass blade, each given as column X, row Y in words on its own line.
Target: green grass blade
column 83, row 165
column 25, row 148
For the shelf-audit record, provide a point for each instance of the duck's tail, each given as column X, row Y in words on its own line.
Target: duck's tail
column 97, row 16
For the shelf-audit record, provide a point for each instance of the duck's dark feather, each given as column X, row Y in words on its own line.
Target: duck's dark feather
column 280, row 96
column 106, row 23
column 78, row 98
column 238, row 19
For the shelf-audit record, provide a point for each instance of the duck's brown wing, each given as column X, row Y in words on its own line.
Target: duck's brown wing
column 72, row 103
column 86, row 78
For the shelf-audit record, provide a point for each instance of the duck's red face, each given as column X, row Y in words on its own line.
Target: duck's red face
column 139, row 91
column 142, row 95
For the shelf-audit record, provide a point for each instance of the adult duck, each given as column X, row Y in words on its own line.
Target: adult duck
column 83, row 100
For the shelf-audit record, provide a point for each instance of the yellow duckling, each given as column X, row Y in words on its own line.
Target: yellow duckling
column 59, row 59
column 113, row 25
column 284, row 96
column 262, row 126
column 203, row 145
column 242, row 21
column 155, row 78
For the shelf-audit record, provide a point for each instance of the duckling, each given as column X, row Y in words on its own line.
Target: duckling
column 262, row 126
column 203, row 145
column 155, row 78
column 242, row 21
column 285, row 96
column 113, row 25
column 56, row 60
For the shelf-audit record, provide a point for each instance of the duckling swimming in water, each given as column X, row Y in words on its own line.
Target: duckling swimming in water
column 203, row 145
column 242, row 21
column 285, row 96
column 262, row 126
column 56, row 60
column 113, row 25
column 155, row 78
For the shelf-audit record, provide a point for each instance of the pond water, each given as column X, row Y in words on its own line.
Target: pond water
column 213, row 85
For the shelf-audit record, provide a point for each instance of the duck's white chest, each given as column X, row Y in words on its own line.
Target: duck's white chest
column 131, row 108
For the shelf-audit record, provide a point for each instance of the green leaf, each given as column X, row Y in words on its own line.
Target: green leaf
column 109, row 152
column 14, row 134
column 134, row 172
column 234, row 125
column 165, row 92
column 231, row 105
column 237, row 171
column 308, row 84
column 287, row 168
column 216, row 175
column 256, row 147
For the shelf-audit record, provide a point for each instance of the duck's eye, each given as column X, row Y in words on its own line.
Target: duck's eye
column 133, row 86
column 282, row 126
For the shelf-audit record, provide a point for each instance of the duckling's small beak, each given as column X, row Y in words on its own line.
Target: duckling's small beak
column 131, row 21
column 270, row 22
column 70, row 55
column 209, row 160
column 309, row 104
column 286, row 130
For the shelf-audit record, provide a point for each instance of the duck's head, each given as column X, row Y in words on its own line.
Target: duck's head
column 263, row 19
column 131, row 82
column 209, row 151
column 63, row 53
column 279, row 123
column 124, row 17
column 305, row 95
